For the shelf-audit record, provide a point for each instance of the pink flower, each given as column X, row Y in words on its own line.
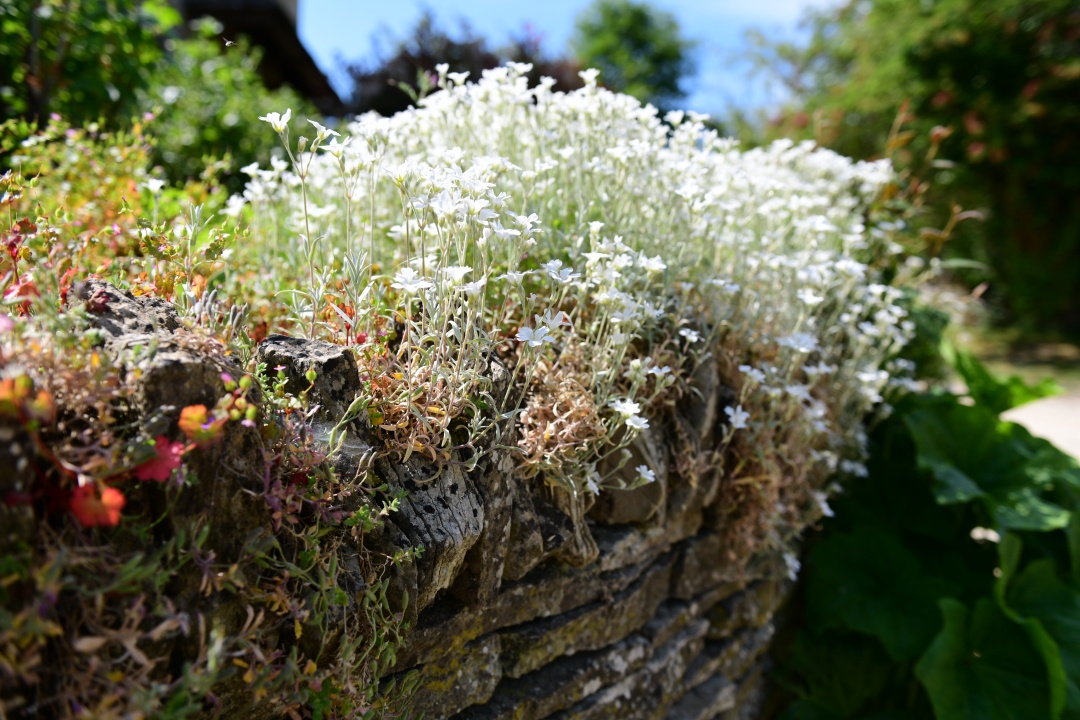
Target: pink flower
column 169, row 457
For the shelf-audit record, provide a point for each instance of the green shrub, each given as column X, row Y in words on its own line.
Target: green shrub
column 947, row 583
column 1001, row 83
column 82, row 59
column 203, row 100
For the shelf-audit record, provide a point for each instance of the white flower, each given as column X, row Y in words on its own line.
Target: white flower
column 563, row 275
column 323, row 132
column 154, row 185
column 798, row 391
column 589, row 76
column 659, row 371
column 737, row 416
column 637, row 422
column 652, row 264
column 822, row 500
column 556, row 321
column 807, row 296
column 799, row 342
column 854, row 468
column 793, row 566
column 591, row 484
column 409, row 281
column 474, row 288
column 645, row 473
column 279, row 122
column 535, row 338
column 692, row 336
column 625, row 407
column 515, row 276
column 456, row 273
column 335, row 148
column 820, row 369
column 752, row 373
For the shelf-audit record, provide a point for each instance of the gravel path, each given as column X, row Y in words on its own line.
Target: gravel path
column 1056, row 418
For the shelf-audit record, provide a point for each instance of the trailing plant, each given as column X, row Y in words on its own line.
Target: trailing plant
column 110, row 551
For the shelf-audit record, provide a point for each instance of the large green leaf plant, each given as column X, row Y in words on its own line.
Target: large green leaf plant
column 948, row 583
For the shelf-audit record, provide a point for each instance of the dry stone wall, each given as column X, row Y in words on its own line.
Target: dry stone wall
column 517, row 610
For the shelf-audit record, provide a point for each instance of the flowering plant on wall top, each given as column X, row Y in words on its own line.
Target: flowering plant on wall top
column 602, row 253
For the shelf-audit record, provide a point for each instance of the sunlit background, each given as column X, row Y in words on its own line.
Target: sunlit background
column 334, row 31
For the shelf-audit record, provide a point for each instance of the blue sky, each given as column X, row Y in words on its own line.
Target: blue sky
column 349, row 30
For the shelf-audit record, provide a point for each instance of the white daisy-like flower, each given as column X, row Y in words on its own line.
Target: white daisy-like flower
column 409, row 281
column 154, row 185
column 279, row 122
column 645, row 473
column 823, row 503
column 692, row 336
column 737, row 416
column 637, row 422
column 625, row 407
column 793, row 565
column 753, row 373
column 456, row 273
column 659, row 371
column 534, row 338
column 474, row 288
column 323, row 132
column 515, row 276
column 557, row 272
column 799, row 342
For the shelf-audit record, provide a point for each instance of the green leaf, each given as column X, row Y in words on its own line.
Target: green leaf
column 995, row 394
column 983, row 665
column 1039, row 594
column 836, row 675
column 972, row 455
column 869, row 582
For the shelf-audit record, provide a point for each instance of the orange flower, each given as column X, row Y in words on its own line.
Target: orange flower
column 169, row 457
column 199, row 426
column 93, row 510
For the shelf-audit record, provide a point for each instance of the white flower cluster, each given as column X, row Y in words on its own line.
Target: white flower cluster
column 637, row 239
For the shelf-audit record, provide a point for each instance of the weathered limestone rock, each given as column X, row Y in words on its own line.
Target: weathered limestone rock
column 443, row 513
column 465, row 678
column 562, row 683
column 337, row 379
column 532, row 645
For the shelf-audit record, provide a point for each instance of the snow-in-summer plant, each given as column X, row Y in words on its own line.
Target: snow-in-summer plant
column 601, row 253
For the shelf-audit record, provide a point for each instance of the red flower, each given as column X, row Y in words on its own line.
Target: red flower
column 92, row 510
column 169, row 457
column 25, row 288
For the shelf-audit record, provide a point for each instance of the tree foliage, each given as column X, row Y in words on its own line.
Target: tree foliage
column 391, row 84
column 83, row 59
column 637, row 48
column 205, row 99
column 1001, row 81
